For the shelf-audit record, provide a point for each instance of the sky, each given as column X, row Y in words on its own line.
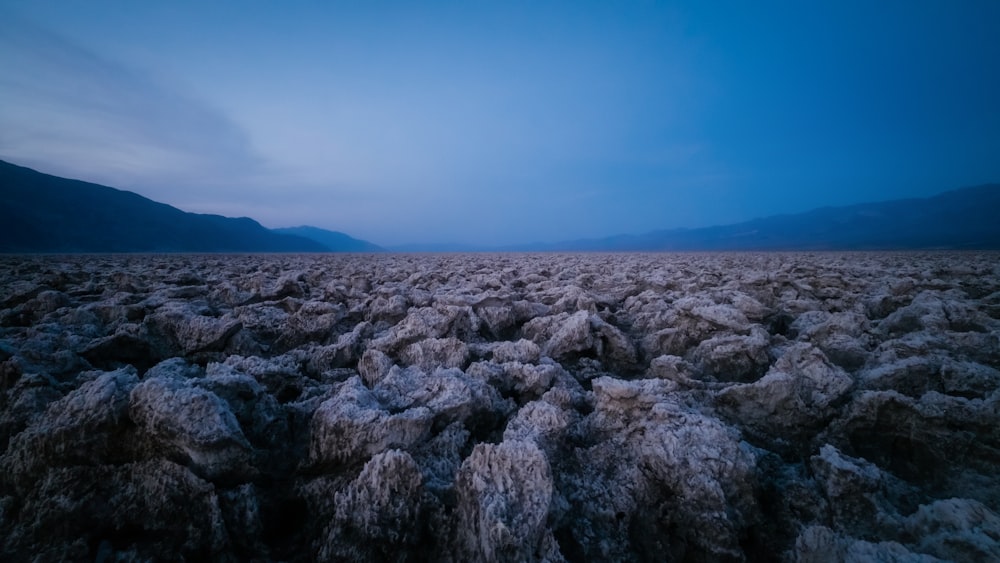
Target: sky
column 493, row 123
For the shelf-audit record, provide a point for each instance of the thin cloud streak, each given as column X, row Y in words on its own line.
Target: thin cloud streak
column 77, row 111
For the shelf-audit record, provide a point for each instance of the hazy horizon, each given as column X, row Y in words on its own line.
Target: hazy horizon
column 501, row 124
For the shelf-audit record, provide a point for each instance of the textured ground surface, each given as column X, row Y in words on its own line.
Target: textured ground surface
column 729, row 407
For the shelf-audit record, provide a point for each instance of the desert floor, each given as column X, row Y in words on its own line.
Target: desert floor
column 578, row 407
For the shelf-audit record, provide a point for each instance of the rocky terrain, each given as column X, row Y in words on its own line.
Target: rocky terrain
column 719, row 407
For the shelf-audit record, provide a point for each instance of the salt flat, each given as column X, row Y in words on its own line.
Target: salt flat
column 578, row 407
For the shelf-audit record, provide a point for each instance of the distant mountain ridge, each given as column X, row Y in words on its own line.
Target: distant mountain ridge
column 45, row 213
column 962, row 219
column 336, row 241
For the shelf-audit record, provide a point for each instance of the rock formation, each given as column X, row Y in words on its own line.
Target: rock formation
column 720, row 407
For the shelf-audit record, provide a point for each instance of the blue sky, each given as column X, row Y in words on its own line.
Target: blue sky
column 504, row 122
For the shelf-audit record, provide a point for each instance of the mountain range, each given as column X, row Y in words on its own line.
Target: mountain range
column 45, row 213
column 962, row 219
column 48, row 214
column 334, row 240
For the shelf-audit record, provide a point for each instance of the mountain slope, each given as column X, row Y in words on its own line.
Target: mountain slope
column 966, row 218
column 333, row 240
column 44, row 213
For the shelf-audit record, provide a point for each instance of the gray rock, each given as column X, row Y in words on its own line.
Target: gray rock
column 939, row 442
column 288, row 285
column 798, row 394
column 313, row 322
column 733, row 357
column 191, row 425
column 435, row 353
column 389, row 309
column 429, row 322
column 179, row 514
column 680, row 477
column 844, row 337
column 962, row 530
column 709, row 473
column 448, row 393
column 176, row 328
column 522, row 351
column 540, row 422
column 241, row 513
column 260, row 416
column 504, row 492
column 526, row 381
column 874, row 433
column 818, row 544
column 935, row 311
column 345, row 352
column 86, row 427
column 353, row 426
column 25, row 401
column 374, row 366
column 565, row 335
column 378, row 515
column 440, row 457
column 855, row 491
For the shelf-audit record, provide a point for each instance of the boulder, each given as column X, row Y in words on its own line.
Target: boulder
column 449, row 394
column 435, row 353
column 522, row 351
column 352, row 426
column 87, row 427
column 378, row 515
column 503, row 492
column 151, row 510
column 794, row 399
column 191, row 425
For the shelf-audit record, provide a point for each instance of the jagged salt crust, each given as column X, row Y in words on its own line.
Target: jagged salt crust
column 719, row 407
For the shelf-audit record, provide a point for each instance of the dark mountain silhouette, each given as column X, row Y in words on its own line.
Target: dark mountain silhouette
column 962, row 219
column 334, row 240
column 44, row 213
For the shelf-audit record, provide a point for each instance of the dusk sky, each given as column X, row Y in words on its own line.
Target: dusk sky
column 504, row 122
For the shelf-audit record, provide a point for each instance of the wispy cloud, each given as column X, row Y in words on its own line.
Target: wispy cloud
column 100, row 118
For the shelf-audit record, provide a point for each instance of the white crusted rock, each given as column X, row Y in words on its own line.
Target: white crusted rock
column 435, row 353
column 711, row 473
column 566, row 335
column 540, row 422
column 86, row 427
column 352, row 426
column 260, row 416
column 522, row 351
column 962, row 530
column 179, row 511
column 449, row 394
column 818, row 544
column 190, row 424
column 428, row 322
column 504, row 492
column 378, row 514
column 798, row 393
column 733, row 357
column 177, row 328
column 374, row 366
